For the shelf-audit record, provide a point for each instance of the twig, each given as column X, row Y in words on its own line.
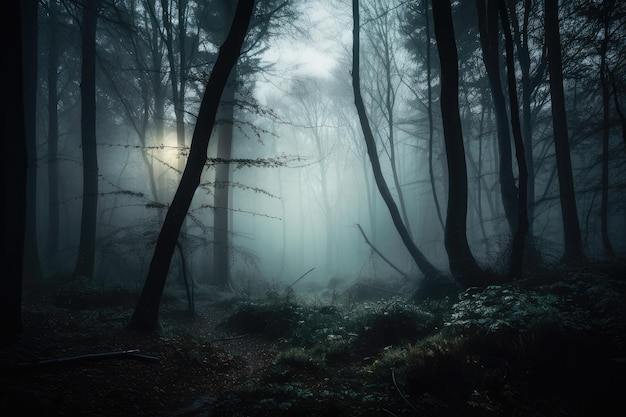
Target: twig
column 125, row 354
column 395, row 383
column 241, row 336
column 388, row 412
column 360, row 284
column 302, row 276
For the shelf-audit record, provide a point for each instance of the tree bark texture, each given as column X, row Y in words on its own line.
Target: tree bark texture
column 146, row 314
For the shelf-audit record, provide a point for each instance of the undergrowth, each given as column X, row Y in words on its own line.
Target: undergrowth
column 492, row 351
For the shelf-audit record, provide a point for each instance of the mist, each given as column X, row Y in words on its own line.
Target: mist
column 286, row 207
column 300, row 209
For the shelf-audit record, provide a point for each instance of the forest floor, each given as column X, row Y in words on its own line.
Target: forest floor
column 554, row 345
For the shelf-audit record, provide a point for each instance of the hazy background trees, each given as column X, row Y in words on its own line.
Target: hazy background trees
column 291, row 105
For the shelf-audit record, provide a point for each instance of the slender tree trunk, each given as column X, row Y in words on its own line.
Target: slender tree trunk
column 431, row 125
column 573, row 250
column 423, row 264
column 489, row 37
column 87, row 244
column 52, row 241
column 523, row 57
column 32, row 267
column 14, row 166
column 517, row 252
column 606, row 103
column 146, row 314
column 179, row 106
column 221, row 227
column 462, row 263
column 176, row 77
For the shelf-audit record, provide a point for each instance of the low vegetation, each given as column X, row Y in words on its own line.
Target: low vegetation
column 551, row 345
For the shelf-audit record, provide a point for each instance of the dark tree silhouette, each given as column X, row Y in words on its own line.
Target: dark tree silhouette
column 32, row 267
column 14, row 168
column 423, row 264
column 52, row 242
column 87, row 245
column 146, row 314
column 529, row 84
column 517, row 251
column 573, row 250
column 463, row 265
column 489, row 40
column 605, row 17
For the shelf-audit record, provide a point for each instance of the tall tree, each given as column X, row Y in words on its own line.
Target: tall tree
column 387, row 78
column 573, row 250
column 221, row 224
column 517, row 251
column 431, row 127
column 32, row 267
column 606, row 107
column 177, row 44
column 529, row 82
column 463, row 265
column 87, row 245
column 52, row 240
column 269, row 13
column 428, row 269
column 14, row 166
column 146, row 314
column 489, row 39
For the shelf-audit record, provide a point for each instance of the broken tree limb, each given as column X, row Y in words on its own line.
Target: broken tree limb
column 405, row 275
column 301, row 276
column 124, row 354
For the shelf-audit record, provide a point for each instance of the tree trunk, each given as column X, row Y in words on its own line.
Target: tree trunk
column 573, row 250
column 221, row 227
column 52, row 241
column 146, row 314
column 523, row 57
column 517, row 251
column 489, row 36
column 32, row 267
column 606, row 102
column 462, row 263
column 87, row 245
column 14, row 166
column 423, row 264
column 431, row 126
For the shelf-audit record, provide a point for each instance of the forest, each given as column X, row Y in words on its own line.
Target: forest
column 314, row 208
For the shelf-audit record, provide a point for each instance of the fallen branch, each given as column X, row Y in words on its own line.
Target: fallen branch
column 360, row 284
column 241, row 336
column 124, row 354
column 380, row 254
column 301, row 276
column 395, row 383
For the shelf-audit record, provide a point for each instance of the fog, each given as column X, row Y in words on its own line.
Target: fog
column 301, row 181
